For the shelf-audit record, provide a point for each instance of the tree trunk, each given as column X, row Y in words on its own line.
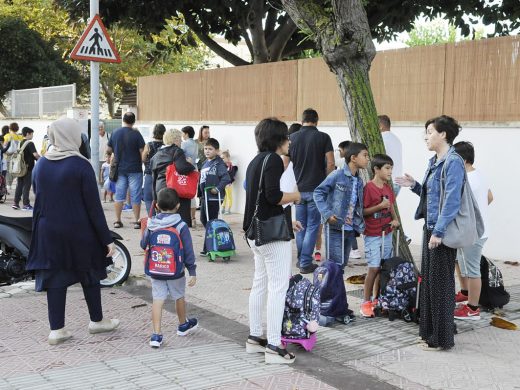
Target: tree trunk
column 109, row 95
column 255, row 24
column 343, row 35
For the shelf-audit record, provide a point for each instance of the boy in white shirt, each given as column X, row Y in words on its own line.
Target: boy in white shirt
column 468, row 259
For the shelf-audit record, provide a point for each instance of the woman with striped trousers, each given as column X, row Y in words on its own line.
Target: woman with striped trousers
column 272, row 260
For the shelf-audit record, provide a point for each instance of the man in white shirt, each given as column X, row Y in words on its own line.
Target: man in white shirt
column 103, row 141
column 393, row 148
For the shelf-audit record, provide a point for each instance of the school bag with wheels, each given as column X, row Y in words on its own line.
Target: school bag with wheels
column 302, row 306
column 398, row 286
column 164, row 253
column 493, row 294
column 219, row 237
column 3, row 189
column 328, row 278
column 17, row 164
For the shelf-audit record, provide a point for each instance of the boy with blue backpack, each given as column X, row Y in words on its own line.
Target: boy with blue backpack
column 168, row 251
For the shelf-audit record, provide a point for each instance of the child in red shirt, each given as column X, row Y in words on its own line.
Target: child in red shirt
column 378, row 203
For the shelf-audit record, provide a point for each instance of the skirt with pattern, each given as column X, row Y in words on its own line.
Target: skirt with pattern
column 437, row 294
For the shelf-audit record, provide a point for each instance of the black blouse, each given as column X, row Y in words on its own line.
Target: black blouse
column 271, row 195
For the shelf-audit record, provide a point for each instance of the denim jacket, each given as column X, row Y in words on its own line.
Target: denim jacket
column 454, row 180
column 333, row 195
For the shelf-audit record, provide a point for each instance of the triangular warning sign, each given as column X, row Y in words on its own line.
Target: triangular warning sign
column 95, row 44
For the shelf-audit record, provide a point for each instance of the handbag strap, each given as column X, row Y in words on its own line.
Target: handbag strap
column 260, row 184
column 443, row 182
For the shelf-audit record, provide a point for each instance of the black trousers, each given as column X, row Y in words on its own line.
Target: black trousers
column 23, row 188
column 56, row 299
column 213, row 209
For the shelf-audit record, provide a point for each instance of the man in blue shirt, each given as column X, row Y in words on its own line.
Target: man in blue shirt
column 127, row 145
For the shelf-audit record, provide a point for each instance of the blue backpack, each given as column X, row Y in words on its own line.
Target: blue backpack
column 219, row 237
column 328, row 277
column 164, row 254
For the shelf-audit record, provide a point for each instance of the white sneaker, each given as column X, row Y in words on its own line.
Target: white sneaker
column 105, row 325
column 355, row 254
column 59, row 336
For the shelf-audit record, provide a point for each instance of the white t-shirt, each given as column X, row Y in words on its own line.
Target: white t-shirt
column 395, row 150
column 103, row 141
column 480, row 188
column 288, row 181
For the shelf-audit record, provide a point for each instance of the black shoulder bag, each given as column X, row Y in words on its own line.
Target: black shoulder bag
column 272, row 229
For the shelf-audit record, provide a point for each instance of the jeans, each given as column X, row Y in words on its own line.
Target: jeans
column 309, row 216
column 23, row 188
column 134, row 181
column 148, row 192
column 338, row 251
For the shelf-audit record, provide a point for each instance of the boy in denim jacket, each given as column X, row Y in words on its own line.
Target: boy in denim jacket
column 339, row 199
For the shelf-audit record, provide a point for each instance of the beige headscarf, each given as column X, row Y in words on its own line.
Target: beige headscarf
column 65, row 137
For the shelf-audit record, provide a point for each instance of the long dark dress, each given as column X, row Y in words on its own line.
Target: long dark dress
column 70, row 232
column 158, row 164
column 437, row 295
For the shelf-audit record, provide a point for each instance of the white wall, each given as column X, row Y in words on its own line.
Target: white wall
column 495, row 150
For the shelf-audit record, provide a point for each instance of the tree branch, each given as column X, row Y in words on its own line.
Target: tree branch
column 292, row 49
column 270, row 23
column 245, row 35
column 254, row 21
column 220, row 51
column 282, row 35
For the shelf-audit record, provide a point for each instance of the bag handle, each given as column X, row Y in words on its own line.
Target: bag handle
column 258, row 195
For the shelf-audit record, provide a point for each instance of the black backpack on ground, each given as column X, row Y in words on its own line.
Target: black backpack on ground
column 493, row 294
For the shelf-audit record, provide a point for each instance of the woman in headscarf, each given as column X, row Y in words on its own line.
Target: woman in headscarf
column 70, row 242
column 168, row 154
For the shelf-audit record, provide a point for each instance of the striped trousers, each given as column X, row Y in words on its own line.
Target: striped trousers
column 272, row 273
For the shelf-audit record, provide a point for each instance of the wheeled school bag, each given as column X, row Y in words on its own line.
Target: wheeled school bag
column 219, row 237
column 493, row 294
column 398, row 286
column 328, row 278
column 302, row 305
column 3, row 189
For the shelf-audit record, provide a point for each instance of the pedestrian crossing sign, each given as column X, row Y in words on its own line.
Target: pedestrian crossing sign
column 95, row 44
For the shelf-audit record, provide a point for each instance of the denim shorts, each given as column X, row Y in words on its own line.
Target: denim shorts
column 469, row 259
column 134, row 181
column 162, row 288
column 373, row 250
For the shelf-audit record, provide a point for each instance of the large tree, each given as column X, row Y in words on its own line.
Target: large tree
column 270, row 33
column 342, row 32
column 27, row 60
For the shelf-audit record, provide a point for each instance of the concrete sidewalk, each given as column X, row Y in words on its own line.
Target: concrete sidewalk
column 368, row 354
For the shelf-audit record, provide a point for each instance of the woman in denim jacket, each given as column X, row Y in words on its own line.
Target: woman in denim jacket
column 437, row 295
column 339, row 199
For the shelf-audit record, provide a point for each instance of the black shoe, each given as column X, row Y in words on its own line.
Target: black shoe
column 204, row 254
column 309, row 269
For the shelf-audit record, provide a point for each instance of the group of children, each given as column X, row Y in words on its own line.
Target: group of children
column 348, row 209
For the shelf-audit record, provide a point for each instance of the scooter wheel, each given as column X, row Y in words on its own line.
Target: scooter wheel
column 226, row 258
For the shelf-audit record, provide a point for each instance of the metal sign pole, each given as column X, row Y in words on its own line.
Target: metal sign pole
column 94, row 102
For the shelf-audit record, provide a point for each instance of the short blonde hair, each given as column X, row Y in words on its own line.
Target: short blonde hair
column 172, row 137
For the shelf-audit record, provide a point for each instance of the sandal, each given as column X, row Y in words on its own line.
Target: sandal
column 255, row 344
column 277, row 355
column 118, row 224
column 137, row 225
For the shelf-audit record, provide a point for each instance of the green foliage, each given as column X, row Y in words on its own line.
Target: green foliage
column 28, row 61
column 437, row 31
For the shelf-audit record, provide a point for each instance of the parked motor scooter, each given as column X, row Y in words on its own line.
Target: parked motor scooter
column 15, row 239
